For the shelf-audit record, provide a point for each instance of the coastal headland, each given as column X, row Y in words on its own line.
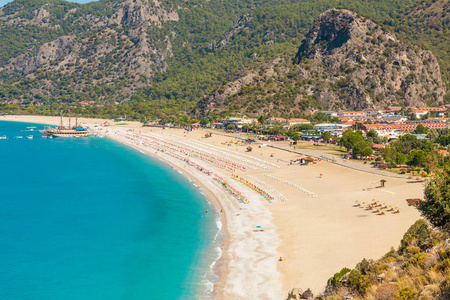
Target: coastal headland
column 313, row 216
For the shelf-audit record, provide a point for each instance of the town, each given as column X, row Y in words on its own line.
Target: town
column 401, row 139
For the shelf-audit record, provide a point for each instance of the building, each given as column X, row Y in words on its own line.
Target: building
column 335, row 129
column 275, row 120
column 292, row 122
column 394, row 109
column 351, row 114
column 419, row 113
column 329, row 113
column 373, row 112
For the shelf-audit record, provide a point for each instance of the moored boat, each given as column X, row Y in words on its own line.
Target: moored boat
column 67, row 132
column 63, row 131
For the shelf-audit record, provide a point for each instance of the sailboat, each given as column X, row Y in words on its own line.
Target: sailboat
column 63, row 131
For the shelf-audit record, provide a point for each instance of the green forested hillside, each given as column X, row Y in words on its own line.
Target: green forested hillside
column 183, row 63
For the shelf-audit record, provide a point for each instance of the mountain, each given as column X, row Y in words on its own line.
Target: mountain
column 345, row 61
column 148, row 58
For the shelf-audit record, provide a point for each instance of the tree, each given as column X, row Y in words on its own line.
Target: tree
column 361, row 149
column 372, row 133
column 302, row 127
column 326, row 136
column 389, row 153
column 262, row 120
column 231, row 127
column 350, row 139
column 431, row 162
column 366, row 151
column 401, row 158
column 436, row 207
column 417, row 158
column 204, row 121
column 420, row 129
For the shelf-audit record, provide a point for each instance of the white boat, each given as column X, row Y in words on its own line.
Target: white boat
column 3, row 137
column 30, row 137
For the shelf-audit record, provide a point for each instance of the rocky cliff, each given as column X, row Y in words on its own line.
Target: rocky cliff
column 345, row 61
column 117, row 48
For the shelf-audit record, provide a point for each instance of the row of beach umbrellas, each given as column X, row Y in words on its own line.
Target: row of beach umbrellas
column 254, row 187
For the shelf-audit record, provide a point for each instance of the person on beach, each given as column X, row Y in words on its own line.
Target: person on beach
column 280, row 259
column 206, row 210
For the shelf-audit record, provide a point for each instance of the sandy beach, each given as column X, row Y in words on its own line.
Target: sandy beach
column 308, row 215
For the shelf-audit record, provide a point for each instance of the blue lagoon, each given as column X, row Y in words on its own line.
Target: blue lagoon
column 90, row 218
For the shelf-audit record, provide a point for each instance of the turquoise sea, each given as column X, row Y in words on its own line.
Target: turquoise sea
column 90, row 218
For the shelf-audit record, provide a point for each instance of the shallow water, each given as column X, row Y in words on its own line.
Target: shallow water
column 90, row 218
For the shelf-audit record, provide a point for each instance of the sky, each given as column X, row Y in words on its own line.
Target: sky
column 4, row 2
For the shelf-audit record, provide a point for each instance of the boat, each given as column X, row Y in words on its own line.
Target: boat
column 66, row 131
column 30, row 137
column 31, row 128
column 18, row 137
column 3, row 137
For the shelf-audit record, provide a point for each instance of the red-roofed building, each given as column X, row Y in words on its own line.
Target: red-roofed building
column 419, row 112
column 378, row 146
column 351, row 114
column 394, row 108
column 291, row 122
column 274, row 120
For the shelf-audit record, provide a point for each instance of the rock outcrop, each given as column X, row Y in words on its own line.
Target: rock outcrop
column 370, row 65
column 344, row 62
column 114, row 44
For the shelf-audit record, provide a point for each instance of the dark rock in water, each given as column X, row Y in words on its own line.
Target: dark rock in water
column 308, row 294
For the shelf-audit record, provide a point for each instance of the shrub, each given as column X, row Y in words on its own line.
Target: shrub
column 443, row 266
column 353, row 279
column 413, row 250
column 335, row 280
column 445, row 285
column 406, row 294
column 416, row 235
column 437, row 209
column 364, row 266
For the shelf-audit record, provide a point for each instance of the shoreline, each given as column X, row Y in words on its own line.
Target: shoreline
column 312, row 221
column 220, row 265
